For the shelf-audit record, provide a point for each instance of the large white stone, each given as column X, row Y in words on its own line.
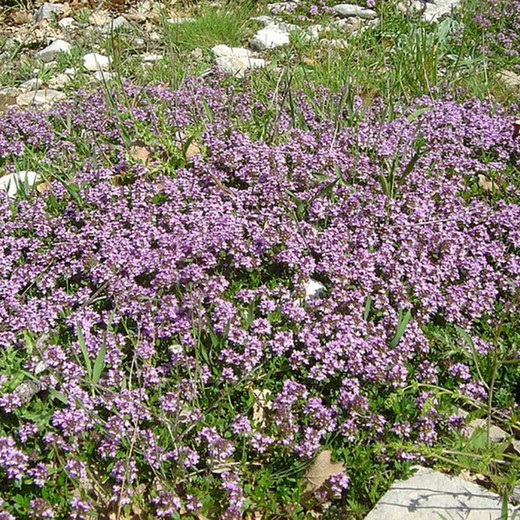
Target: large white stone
column 31, row 84
column 434, row 10
column 430, row 494
column 47, row 11
column 222, row 51
column 238, row 66
column 51, row 51
column 10, row 183
column 39, row 97
column 270, row 37
column 236, row 60
column 94, row 62
column 354, row 10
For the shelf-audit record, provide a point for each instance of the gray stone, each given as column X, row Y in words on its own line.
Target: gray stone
column 10, row 91
column 270, row 37
column 95, row 62
column 39, row 97
column 221, row 51
column 51, row 51
column 496, row 434
column 26, row 390
column 48, row 11
column 60, row 80
column 510, row 79
column 117, row 24
column 67, row 23
column 30, row 85
column 238, row 66
column 151, row 58
column 11, row 182
column 350, row 25
column 103, row 76
column 347, row 10
column 430, row 495
column 313, row 31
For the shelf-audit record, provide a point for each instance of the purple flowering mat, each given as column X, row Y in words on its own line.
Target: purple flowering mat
column 159, row 310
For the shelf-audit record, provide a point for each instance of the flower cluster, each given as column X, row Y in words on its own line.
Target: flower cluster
column 164, row 308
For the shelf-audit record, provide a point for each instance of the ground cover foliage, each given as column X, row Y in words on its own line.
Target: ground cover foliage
column 161, row 308
column 217, row 283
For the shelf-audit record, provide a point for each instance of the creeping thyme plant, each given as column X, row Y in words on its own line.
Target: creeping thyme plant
column 210, row 287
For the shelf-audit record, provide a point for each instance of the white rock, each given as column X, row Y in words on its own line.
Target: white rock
column 346, row 10
column 96, row 62
column 10, row 91
column 31, row 84
column 151, row 58
column 510, row 79
column 47, row 11
column 270, row 37
column 314, row 289
column 139, row 43
column 117, row 24
column 60, row 80
column 67, row 23
column 238, row 66
column 348, row 24
column 236, row 60
column 51, row 51
column 479, row 426
column 103, row 76
column 430, row 494
column 434, row 10
column 221, row 51
column 313, row 31
column 10, row 183
column 39, row 97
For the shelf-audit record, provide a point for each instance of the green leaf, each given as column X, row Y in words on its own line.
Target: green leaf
column 504, row 512
column 58, row 395
column 99, row 364
column 83, row 346
column 401, row 327
column 368, row 305
column 417, row 113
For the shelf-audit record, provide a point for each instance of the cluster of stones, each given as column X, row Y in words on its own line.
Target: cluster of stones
column 350, row 19
column 276, row 33
column 34, row 91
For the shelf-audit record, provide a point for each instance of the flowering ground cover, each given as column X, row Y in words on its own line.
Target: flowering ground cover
column 261, row 298
column 180, row 323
